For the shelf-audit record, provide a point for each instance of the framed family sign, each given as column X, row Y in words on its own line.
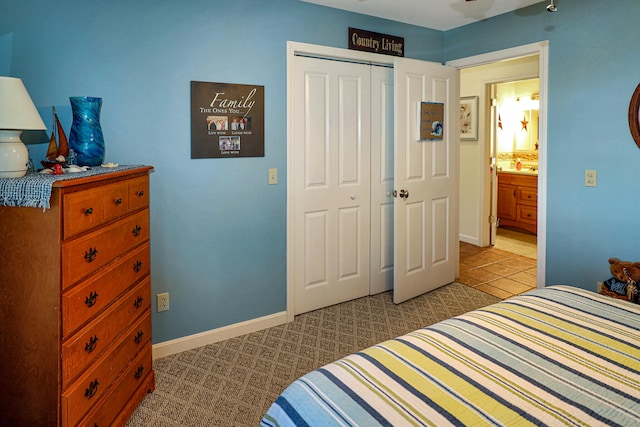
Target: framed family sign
column 227, row 120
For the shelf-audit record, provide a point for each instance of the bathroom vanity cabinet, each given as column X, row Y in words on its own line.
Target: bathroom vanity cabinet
column 518, row 201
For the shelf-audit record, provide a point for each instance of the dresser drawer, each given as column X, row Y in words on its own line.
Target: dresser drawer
column 115, row 199
column 90, row 342
column 84, row 301
column 84, row 255
column 121, row 392
column 138, row 193
column 83, row 210
column 95, row 383
column 86, row 209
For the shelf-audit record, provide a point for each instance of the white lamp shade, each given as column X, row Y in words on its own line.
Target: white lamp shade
column 17, row 111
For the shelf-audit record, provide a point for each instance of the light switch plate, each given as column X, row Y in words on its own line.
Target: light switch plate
column 590, row 178
column 273, row 176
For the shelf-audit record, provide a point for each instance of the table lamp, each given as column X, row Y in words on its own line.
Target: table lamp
column 17, row 113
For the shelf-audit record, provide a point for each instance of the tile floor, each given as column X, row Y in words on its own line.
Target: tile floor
column 495, row 271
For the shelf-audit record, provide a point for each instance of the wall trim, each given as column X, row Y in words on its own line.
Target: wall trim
column 190, row 342
column 470, row 239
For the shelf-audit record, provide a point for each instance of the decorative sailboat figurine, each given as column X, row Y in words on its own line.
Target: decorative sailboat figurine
column 58, row 150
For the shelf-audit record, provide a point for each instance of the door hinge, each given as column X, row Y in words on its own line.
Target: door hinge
column 492, row 219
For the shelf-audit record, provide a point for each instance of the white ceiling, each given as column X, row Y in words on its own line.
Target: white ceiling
column 436, row 14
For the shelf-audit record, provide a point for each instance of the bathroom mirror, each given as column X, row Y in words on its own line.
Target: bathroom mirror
column 634, row 124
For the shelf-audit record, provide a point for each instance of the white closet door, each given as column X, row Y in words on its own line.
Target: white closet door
column 381, row 179
column 331, row 166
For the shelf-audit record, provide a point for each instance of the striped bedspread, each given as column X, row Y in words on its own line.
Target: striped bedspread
column 554, row 356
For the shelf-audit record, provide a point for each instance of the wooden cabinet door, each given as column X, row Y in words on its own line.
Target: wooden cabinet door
column 507, row 201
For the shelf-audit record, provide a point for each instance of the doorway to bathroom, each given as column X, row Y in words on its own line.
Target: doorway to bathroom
column 514, row 143
column 478, row 210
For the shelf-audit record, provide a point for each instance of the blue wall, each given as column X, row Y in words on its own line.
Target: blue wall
column 218, row 230
column 594, row 67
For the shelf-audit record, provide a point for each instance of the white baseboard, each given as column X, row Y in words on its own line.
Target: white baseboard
column 190, row 342
column 469, row 239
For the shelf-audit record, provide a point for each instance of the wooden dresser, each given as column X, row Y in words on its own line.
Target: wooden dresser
column 518, row 201
column 75, row 304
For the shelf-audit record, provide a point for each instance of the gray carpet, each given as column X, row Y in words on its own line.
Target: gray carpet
column 233, row 382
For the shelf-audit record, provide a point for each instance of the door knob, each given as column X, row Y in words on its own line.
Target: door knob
column 404, row 194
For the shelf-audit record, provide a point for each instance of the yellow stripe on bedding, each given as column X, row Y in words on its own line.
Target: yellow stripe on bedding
column 563, row 329
column 462, row 404
column 563, row 325
column 530, row 399
column 571, row 353
column 393, row 403
column 594, row 320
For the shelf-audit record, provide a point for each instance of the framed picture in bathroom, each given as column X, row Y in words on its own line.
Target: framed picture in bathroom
column 469, row 118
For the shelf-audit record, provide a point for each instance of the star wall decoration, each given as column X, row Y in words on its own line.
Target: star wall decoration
column 524, row 123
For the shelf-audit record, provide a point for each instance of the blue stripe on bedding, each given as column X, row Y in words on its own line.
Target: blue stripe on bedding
column 554, row 356
column 360, row 403
column 557, row 376
column 443, row 362
column 446, row 414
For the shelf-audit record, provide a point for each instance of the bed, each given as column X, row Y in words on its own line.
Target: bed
column 554, row 356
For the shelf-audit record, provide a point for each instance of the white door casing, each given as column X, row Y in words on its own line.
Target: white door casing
column 426, row 222
column 541, row 49
column 493, row 140
column 331, row 182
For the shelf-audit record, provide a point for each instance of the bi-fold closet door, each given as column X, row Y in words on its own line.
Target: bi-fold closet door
column 341, row 190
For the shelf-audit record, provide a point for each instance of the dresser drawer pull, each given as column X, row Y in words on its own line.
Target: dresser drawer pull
column 90, row 301
column 137, row 266
column 92, row 390
column 138, row 302
column 140, row 193
column 136, row 230
column 88, row 211
column 139, row 372
column 91, row 254
column 138, row 337
column 92, row 344
column 118, row 201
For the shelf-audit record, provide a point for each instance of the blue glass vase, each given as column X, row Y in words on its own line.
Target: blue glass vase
column 86, row 133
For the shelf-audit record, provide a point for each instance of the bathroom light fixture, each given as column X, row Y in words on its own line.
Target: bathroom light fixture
column 529, row 102
column 552, row 7
column 17, row 113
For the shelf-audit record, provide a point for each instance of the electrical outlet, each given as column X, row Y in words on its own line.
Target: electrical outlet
column 162, row 301
column 590, row 178
column 273, row 176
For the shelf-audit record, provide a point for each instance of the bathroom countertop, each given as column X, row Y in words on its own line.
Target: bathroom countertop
column 519, row 172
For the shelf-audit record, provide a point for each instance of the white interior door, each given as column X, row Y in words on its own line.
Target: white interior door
column 381, row 270
column 426, row 221
column 330, row 195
